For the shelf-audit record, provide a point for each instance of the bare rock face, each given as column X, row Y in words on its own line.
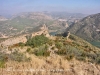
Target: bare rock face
column 14, row 40
column 66, row 25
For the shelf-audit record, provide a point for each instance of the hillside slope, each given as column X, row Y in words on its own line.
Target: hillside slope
column 54, row 55
column 88, row 28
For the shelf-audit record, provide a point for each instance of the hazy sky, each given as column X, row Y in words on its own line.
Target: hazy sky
column 73, row 6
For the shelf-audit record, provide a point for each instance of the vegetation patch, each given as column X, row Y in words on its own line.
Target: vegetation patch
column 3, row 59
column 37, row 41
column 82, row 52
column 42, row 51
column 17, row 56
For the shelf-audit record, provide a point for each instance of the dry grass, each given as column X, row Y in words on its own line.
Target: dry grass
column 55, row 65
column 51, row 65
column 45, row 65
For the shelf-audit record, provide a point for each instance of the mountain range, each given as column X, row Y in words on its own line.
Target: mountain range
column 28, row 21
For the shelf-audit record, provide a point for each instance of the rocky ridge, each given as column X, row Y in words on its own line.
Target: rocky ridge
column 22, row 38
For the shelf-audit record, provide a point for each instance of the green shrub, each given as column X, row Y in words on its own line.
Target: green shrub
column 50, row 42
column 81, row 58
column 70, row 52
column 46, row 47
column 17, row 56
column 72, row 37
column 42, row 51
column 3, row 59
column 98, row 60
column 37, row 41
column 59, row 45
column 62, row 51
column 29, row 59
column 29, row 50
column 21, row 44
column 69, row 57
column 2, row 63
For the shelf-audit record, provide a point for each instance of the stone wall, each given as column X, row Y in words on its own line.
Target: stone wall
column 22, row 38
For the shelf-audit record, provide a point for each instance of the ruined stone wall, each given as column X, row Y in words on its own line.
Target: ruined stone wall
column 23, row 38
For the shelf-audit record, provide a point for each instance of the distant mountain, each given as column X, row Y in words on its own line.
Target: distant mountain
column 66, row 15
column 28, row 22
column 32, row 15
column 87, row 28
column 3, row 18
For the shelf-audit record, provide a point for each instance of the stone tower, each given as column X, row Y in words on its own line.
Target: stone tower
column 45, row 31
column 68, row 34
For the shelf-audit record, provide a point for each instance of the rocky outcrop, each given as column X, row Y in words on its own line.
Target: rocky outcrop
column 14, row 40
column 44, row 30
